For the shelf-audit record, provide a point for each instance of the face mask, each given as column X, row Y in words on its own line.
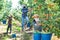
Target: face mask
column 36, row 19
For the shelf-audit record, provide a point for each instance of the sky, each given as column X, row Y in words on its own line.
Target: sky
column 15, row 3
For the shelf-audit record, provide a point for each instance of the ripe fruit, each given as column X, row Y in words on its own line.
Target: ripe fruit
column 35, row 1
column 39, row 7
column 50, row 5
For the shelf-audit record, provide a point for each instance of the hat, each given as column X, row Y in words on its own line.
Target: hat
column 35, row 16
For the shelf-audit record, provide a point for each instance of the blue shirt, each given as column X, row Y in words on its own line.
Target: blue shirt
column 24, row 12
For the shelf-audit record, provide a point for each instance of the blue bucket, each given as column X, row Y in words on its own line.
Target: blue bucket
column 4, row 21
column 37, row 36
column 13, row 35
column 46, row 36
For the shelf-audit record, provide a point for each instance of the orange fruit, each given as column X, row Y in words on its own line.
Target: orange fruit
column 50, row 26
column 46, row 18
column 50, row 5
column 39, row 6
column 35, row 0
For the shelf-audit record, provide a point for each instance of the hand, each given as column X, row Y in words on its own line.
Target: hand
column 40, row 24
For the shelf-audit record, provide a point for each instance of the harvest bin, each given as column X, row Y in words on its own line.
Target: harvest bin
column 37, row 36
column 4, row 21
column 46, row 36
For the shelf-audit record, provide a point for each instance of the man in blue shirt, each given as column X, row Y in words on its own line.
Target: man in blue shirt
column 25, row 18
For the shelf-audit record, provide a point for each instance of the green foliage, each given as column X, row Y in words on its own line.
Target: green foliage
column 19, row 28
column 4, row 11
column 57, row 1
column 1, row 4
column 17, row 15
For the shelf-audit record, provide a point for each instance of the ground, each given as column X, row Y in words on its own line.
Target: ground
column 19, row 35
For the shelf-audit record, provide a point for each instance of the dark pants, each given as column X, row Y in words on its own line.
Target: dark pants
column 9, row 27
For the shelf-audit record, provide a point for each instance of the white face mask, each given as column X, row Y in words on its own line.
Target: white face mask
column 36, row 19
